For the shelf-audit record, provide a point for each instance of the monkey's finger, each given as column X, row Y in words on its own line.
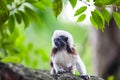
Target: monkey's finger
column 85, row 77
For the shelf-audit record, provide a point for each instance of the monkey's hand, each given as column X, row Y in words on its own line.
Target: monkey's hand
column 85, row 77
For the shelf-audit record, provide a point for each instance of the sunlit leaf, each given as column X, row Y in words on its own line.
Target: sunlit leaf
column 106, row 15
column 11, row 23
column 93, row 22
column 98, row 3
column 73, row 2
column 80, row 10
column 116, row 17
column 13, row 59
column 98, row 18
column 81, row 18
column 24, row 18
column 18, row 17
column 101, row 3
column 57, row 7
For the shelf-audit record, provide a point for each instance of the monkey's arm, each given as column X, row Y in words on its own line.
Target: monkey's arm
column 52, row 68
column 80, row 66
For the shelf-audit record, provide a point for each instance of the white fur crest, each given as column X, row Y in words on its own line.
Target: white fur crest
column 58, row 33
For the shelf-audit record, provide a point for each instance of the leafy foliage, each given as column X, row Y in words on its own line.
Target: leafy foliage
column 11, row 23
column 24, row 18
column 116, row 16
column 106, row 15
column 93, row 22
column 73, row 2
column 101, row 3
column 23, row 13
column 80, row 10
column 18, row 17
column 14, row 13
column 57, row 7
column 98, row 18
column 3, row 12
column 81, row 18
column 13, row 59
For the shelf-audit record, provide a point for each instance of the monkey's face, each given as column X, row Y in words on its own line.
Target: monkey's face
column 61, row 41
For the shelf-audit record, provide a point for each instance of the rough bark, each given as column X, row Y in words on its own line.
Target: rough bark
column 10, row 71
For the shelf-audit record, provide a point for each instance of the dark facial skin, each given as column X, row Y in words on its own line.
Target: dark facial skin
column 61, row 41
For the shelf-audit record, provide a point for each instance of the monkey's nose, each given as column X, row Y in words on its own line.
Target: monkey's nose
column 57, row 42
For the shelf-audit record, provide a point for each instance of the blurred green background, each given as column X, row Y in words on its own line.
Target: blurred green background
column 32, row 45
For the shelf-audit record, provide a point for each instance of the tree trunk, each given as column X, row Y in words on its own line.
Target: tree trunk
column 106, row 47
column 9, row 71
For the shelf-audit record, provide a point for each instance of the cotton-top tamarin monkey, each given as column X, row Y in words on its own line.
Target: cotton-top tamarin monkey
column 64, row 58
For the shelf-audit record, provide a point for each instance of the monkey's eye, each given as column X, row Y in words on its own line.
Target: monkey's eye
column 57, row 39
column 64, row 38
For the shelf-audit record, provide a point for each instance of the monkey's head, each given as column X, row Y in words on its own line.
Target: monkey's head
column 62, row 39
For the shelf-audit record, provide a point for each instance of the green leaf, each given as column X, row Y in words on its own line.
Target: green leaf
column 116, row 17
column 93, row 22
column 32, row 15
column 112, row 2
column 11, row 23
column 40, row 6
column 8, row 1
column 100, row 14
column 80, row 10
column 98, row 3
column 106, row 15
column 57, row 7
column 24, row 18
column 98, row 18
column 73, row 2
column 81, row 18
column 4, row 13
column 101, row 3
column 18, row 17
column 3, row 5
column 13, row 59
column 117, row 2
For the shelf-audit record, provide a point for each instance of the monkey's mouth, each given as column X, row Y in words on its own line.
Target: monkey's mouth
column 59, row 43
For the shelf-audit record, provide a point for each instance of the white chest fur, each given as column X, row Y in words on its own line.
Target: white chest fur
column 63, row 60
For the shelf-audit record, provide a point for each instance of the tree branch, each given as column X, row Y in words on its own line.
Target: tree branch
column 10, row 71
